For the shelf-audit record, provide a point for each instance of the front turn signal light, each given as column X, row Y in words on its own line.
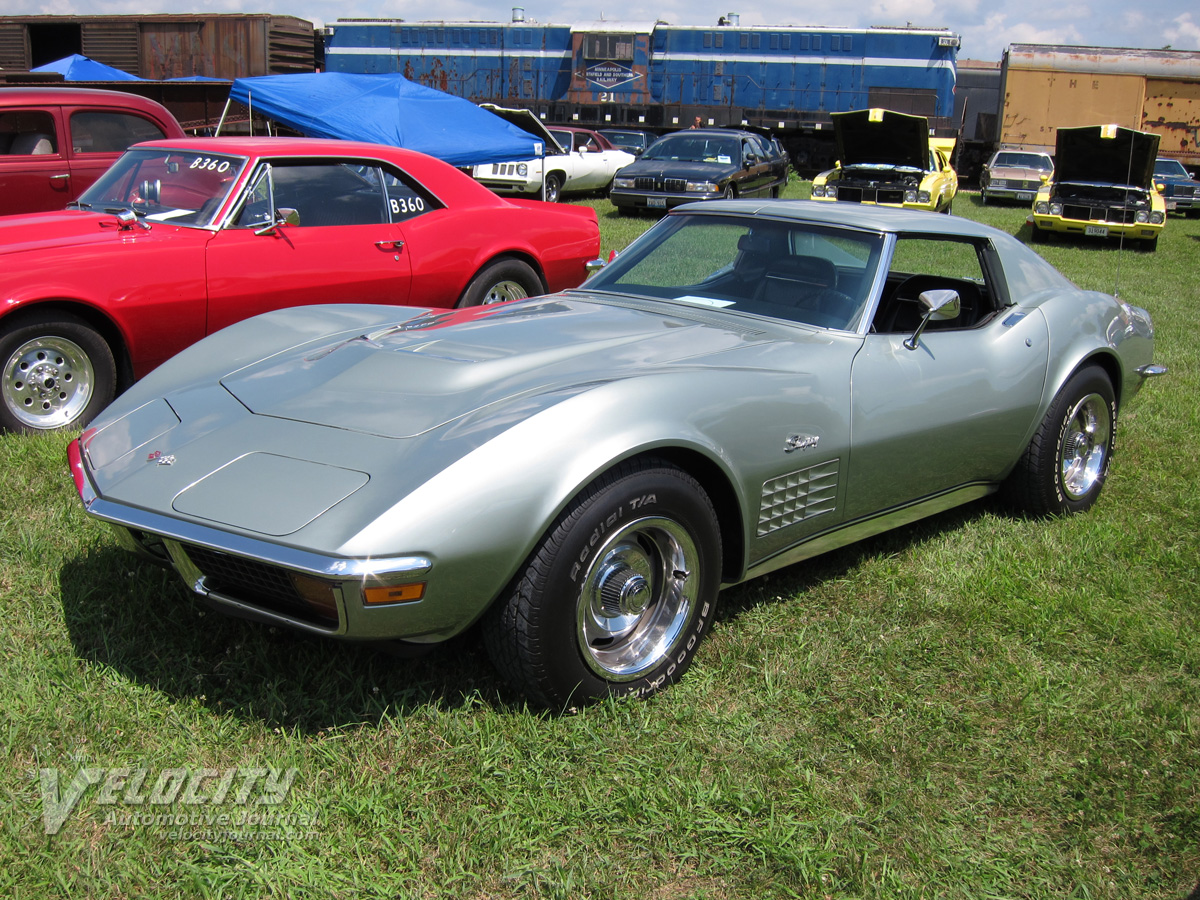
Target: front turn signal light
column 393, row 593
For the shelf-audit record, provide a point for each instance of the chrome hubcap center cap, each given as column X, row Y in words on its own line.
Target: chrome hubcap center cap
column 623, row 592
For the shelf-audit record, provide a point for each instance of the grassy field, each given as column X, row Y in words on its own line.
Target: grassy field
column 976, row 706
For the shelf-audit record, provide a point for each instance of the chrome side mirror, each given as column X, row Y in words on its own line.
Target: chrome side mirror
column 940, row 306
column 127, row 218
column 283, row 216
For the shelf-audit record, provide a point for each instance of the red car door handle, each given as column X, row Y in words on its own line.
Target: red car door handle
column 389, row 246
column 62, row 177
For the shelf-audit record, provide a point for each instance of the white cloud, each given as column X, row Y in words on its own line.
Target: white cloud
column 1183, row 32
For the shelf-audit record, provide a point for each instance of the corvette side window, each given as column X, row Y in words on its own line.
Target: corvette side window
column 921, row 263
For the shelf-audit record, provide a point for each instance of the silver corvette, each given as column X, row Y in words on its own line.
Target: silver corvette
column 749, row 384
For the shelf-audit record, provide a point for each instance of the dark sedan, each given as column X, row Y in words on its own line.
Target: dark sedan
column 700, row 164
column 1179, row 189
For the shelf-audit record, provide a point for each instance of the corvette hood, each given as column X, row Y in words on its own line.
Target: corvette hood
column 880, row 137
column 404, row 379
column 1107, row 154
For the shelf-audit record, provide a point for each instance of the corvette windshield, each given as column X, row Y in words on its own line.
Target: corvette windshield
column 183, row 187
column 792, row 270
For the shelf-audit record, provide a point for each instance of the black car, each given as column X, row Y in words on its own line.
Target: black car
column 700, row 164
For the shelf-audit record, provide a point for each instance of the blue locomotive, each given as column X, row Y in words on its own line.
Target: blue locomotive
column 786, row 80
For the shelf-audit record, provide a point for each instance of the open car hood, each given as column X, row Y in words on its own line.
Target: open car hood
column 881, row 137
column 1108, row 154
column 526, row 121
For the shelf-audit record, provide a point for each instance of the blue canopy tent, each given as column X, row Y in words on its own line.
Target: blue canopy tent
column 386, row 109
column 84, row 68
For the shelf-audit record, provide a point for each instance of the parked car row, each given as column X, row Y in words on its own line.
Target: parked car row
column 727, row 397
column 640, row 172
column 1104, row 181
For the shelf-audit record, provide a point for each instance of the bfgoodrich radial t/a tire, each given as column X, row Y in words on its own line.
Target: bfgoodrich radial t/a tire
column 1065, row 465
column 616, row 597
column 58, row 373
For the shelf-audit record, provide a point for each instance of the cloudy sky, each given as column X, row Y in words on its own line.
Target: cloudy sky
column 986, row 27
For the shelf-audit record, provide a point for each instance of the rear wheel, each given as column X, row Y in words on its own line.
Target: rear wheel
column 58, row 373
column 617, row 595
column 505, row 279
column 1066, row 463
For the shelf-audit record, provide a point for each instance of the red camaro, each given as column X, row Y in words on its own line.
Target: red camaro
column 183, row 237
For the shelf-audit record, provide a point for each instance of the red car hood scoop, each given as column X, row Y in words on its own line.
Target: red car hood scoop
column 408, row 378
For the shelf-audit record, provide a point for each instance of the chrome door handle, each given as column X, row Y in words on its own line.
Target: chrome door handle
column 389, row 246
column 62, row 177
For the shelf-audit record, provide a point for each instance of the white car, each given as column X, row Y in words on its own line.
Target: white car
column 577, row 159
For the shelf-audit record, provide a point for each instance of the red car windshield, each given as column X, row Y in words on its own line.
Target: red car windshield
column 182, row 187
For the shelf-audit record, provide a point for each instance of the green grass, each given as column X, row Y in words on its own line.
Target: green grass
column 976, row 706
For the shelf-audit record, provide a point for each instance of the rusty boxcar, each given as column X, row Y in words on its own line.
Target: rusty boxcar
column 1047, row 87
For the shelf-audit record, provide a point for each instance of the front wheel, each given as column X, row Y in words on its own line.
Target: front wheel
column 554, row 183
column 730, row 192
column 1066, row 463
column 617, row 595
column 505, row 279
column 58, row 373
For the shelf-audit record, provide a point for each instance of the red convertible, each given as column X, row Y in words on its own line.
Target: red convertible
column 183, row 237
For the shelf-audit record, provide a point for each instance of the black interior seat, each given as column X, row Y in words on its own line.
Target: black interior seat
column 902, row 312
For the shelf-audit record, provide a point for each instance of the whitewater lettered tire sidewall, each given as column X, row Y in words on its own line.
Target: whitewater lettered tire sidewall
column 618, row 594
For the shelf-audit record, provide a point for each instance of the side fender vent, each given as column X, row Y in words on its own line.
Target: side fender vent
column 799, row 495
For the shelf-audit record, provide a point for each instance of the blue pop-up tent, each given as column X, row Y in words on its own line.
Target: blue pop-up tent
column 83, row 68
column 386, row 109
